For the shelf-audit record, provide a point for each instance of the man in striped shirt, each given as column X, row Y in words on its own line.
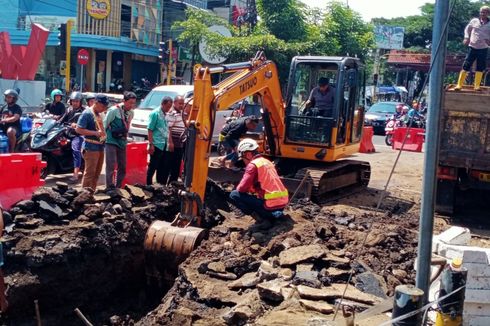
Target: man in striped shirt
column 177, row 129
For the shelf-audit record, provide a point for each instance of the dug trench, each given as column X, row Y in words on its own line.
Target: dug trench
column 70, row 249
column 67, row 249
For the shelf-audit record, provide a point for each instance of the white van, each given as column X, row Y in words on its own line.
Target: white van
column 138, row 128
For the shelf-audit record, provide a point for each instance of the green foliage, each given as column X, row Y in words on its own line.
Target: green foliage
column 418, row 29
column 283, row 18
column 343, row 32
column 283, row 33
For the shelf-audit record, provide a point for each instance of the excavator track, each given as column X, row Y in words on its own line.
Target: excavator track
column 336, row 180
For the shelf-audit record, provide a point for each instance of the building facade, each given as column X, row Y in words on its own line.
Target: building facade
column 121, row 36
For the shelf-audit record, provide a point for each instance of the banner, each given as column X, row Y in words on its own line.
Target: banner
column 389, row 37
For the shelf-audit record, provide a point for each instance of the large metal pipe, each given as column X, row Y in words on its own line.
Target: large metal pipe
column 439, row 40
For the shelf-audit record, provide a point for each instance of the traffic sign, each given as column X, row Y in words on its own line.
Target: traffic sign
column 82, row 56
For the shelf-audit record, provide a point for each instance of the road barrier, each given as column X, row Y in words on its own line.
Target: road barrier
column 414, row 142
column 136, row 163
column 367, row 140
column 20, row 176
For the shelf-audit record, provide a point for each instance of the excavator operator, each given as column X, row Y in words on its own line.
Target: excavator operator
column 261, row 192
column 321, row 100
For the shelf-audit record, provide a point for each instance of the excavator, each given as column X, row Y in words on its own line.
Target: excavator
column 303, row 146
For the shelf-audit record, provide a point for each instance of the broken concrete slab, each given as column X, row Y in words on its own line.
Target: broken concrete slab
column 249, row 308
column 271, row 290
column 300, row 254
column 335, row 291
column 371, row 283
column 248, row 280
column 267, row 272
column 318, row 306
column 308, row 278
column 137, row 192
column 218, row 267
column 222, row 276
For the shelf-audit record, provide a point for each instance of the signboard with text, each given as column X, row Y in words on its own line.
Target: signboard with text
column 99, row 9
column 389, row 37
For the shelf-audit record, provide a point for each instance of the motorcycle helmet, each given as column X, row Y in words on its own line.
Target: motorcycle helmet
column 11, row 92
column 75, row 96
column 56, row 92
column 246, row 145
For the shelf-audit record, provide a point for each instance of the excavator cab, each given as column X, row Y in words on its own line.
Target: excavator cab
column 325, row 124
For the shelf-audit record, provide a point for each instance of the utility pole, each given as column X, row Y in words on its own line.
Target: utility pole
column 69, row 26
column 436, row 83
column 169, row 67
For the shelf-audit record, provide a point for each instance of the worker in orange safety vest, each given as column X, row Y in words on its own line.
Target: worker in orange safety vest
column 261, row 190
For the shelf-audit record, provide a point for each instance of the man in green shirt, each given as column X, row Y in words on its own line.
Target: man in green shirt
column 116, row 125
column 159, row 141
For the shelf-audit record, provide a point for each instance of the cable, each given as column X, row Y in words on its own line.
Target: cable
column 382, row 194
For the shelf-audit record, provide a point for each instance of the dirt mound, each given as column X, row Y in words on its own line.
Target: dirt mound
column 294, row 271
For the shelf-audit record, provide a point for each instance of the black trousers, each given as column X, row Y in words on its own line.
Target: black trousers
column 171, row 169
column 157, row 163
column 480, row 55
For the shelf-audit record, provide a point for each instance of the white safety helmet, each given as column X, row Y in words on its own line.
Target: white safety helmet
column 246, row 145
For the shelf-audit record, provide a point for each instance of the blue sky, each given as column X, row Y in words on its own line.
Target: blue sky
column 378, row 8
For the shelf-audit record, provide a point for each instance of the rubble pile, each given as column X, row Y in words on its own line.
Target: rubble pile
column 70, row 248
column 293, row 273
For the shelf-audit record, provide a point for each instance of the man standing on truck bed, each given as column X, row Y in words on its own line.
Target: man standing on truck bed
column 477, row 37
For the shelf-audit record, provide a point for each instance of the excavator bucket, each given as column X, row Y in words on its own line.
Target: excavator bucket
column 167, row 245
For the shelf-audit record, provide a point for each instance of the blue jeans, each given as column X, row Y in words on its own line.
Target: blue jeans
column 76, row 146
column 230, row 146
column 249, row 203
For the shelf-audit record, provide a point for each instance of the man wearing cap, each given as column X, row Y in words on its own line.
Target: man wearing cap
column 322, row 98
column 261, row 190
column 116, row 125
column 90, row 126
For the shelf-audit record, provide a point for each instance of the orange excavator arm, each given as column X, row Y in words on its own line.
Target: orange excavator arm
column 256, row 77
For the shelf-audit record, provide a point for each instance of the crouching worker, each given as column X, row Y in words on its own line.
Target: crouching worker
column 260, row 191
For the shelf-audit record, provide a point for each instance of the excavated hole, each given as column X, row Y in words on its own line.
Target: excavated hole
column 90, row 257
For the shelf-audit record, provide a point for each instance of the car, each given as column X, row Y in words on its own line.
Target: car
column 378, row 113
column 138, row 128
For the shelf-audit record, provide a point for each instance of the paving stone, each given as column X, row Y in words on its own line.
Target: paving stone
column 137, row 192
column 371, row 283
column 300, row 254
column 308, row 278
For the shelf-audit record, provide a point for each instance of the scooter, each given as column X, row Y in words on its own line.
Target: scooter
column 392, row 124
column 52, row 139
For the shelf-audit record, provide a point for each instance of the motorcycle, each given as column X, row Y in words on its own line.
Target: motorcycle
column 392, row 124
column 52, row 139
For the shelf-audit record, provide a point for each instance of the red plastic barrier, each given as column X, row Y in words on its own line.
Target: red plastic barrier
column 367, row 140
column 414, row 142
column 19, row 177
column 136, row 163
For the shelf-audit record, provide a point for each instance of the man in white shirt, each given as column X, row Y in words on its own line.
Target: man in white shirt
column 477, row 37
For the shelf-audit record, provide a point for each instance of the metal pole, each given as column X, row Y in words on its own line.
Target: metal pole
column 81, row 78
column 432, row 146
column 169, row 67
column 69, row 25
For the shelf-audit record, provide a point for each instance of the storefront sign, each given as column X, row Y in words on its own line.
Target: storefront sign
column 99, row 9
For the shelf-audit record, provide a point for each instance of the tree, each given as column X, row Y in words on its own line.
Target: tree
column 283, row 18
column 343, row 32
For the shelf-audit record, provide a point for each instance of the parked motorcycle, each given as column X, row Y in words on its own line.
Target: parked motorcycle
column 52, row 139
